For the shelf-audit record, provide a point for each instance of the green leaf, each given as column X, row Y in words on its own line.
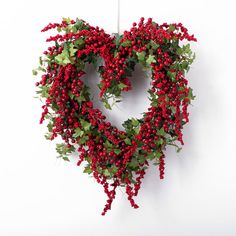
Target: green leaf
column 48, row 136
column 85, row 125
column 151, row 59
column 63, row 58
column 113, row 170
column 72, row 50
column 117, row 151
column 78, row 133
column 136, row 130
column 127, row 141
column 34, row 72
column 65, row 158
column 67, row 20
column 190, row 94
column 133, row 163
column 106, row 173
column 80, row 25
column 171, row 75
column 80, row 42
column 154, row 45
column 135, row 122
column 106, row 104
column 83, row 139
column 184, row 65
column 80, row 99
column 121, row 86
column 40, row 61
column 159, row 142
column 171, row 28
column 87, row 169
column 141, row 56
column 108, row 144
column 126, row 43
column 161, row 132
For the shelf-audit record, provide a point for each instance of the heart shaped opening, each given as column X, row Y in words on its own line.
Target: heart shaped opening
column 134, row 102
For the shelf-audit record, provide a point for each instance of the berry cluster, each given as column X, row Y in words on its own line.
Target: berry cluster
column 114, row 157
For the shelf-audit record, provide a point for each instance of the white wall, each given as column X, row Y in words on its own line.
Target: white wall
column 43, row 196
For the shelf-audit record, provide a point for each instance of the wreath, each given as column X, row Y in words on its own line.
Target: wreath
column 115, row 157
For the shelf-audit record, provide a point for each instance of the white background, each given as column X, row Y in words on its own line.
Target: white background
column 43, row 196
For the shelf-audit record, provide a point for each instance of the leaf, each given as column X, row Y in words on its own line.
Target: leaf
column 80, row 25
column 85, row 125
column 126, row 43
column 34, row 72
column 78, row 133
column 133, row 163
column 80, row 99
column 117, row 151
column 67, row 20
column 113, row 170
column 161, row 132
column 121, row 86
column 136, row 130
column 40, row 61
column 83, row 139
column 80, row 42
column 72, row 50
column 135, row 122
column 171, row 75
column 106, row 104
column 151, row 59
column 141, row 56
column 87, row 169
column 184, row 65
column 63, row 58
column 171, row 28
column 154, row 45
column 106, row 173
column 65, row 158
column 40, row 68
column 107, row 144
column 48, row 136
column 127, row 141
column 190, row 94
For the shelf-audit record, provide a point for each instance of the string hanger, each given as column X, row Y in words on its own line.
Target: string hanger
column 118, row 16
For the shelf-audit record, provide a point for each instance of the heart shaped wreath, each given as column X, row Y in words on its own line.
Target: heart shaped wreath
column 114, row 157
